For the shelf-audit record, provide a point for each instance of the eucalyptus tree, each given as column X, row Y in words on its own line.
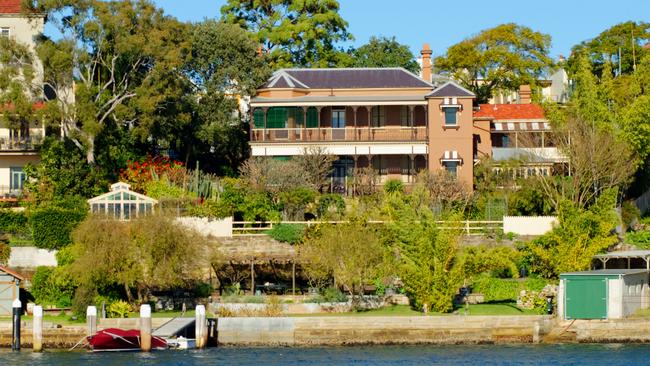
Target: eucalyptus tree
column 294, row 32
column 503, row 57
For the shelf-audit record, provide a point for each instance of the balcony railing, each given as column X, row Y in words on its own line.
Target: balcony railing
column 388, row 133
column 10, row 193
column 531, row 154
column 20, row 144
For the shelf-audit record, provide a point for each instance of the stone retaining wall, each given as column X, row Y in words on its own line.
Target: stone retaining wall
column 346, row 330
column 609, row 331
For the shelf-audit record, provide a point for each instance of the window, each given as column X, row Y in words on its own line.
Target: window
column 451, row 167
column 378, row 116
column 17, row 179
column 451, row 116
column 5, row 32
column 258, row 117
column 338, row 117
column 276, row 117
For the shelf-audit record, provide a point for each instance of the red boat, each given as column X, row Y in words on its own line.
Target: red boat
column 113, row 339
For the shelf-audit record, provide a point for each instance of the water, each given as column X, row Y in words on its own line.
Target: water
column 610, row 355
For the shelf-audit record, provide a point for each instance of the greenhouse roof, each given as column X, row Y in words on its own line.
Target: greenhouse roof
column 115, row 195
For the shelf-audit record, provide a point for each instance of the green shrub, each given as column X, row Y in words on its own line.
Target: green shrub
column 118, row 309
column 393, row 186
column 52, row 286
column 287, row 233
column 13, row 222
column 330, row 203
column 52, row 226
column 243, row 299
column 505, row 289
column 330, row 294
column 203, row 290
column 639, row 238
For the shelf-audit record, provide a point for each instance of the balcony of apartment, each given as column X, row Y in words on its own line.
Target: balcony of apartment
column 18, row 144
column 406, row 123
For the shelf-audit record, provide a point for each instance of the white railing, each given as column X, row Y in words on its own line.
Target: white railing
column 385, row 133
column 467, row 227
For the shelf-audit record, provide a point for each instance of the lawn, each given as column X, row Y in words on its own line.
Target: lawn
column 498, row 308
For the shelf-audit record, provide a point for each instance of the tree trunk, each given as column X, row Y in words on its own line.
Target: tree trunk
column 90, row 152
column 129, row 295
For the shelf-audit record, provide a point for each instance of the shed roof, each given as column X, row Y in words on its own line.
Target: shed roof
column 645, row 254
column 606, row 272
column 345, row 78
column 11, row 273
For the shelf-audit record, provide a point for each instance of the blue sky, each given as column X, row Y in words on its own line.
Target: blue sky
column 442, row 23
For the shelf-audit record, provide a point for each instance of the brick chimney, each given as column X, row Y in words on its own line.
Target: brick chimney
column 426, row 62
column 525, row 94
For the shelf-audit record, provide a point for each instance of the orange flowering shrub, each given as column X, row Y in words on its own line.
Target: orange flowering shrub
column 139, row 173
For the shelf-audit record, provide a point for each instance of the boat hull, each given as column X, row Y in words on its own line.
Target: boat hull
column 113, row 339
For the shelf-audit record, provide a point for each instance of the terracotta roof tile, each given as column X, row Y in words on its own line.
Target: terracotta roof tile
column 10, row 6
column 502, row 112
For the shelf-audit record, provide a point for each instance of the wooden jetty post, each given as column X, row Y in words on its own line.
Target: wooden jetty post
column 200, row 330
column 145, row 328
column 38, row 329
column 15, row 329
column 91, row 320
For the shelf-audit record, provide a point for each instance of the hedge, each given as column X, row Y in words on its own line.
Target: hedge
column 13, row 222
column 505, row 289
column 52, row 226
column 287, row 233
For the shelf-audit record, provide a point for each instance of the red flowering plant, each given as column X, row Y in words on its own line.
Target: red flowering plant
column 139, row 173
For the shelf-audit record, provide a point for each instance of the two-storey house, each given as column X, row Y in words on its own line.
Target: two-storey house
column 18, row 146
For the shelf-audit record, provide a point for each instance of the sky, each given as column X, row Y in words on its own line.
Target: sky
column 444, row 23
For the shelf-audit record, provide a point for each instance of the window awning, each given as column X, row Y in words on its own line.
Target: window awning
column 451, row 155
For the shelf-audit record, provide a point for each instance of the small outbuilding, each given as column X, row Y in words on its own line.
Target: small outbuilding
column 9, row 290
column 122, row 203
column 602, row 294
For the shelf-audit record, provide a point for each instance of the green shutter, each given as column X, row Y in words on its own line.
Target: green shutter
column 297, row 114
column 312, row 117
column 276, row 117
column 258, row 117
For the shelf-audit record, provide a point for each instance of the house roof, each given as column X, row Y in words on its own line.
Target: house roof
column 345, row 78
column 10, row 6
column 503, row 112
column 12, row 273
column 605, row 272
column 450, row 89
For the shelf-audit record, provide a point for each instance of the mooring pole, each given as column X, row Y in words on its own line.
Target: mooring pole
column 38, row 329
column 15, row 329
column 91, row 320
column 200, row 327
column 145, row 328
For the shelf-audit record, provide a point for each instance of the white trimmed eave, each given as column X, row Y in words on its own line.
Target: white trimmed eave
column 334, row 103
column 340, row 148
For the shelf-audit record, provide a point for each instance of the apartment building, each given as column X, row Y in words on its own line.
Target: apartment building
column 395, row 122
column 18, row 146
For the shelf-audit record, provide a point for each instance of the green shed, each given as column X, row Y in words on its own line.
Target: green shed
column 9, row 290
column 602, row 294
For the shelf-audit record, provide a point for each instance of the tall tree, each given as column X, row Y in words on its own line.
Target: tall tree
column 503, row 57
column 626, row 39
column 294, row 32
column 385, row 52
column 117, row 64
column 224, row 67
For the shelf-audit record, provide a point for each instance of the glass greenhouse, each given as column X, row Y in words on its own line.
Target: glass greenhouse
column 122, row 203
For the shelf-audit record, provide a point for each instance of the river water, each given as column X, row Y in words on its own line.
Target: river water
column 583, row 355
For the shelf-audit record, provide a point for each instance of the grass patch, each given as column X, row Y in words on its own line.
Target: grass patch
column 500, row 308
column 641, row 313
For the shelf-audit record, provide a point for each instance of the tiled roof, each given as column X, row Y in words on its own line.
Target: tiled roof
column 450, row 89
column 345, row 78
column 503, row 112
column 10, row 6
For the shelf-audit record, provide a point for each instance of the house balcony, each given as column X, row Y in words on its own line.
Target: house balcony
column 344, row 134
column 22, row 144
